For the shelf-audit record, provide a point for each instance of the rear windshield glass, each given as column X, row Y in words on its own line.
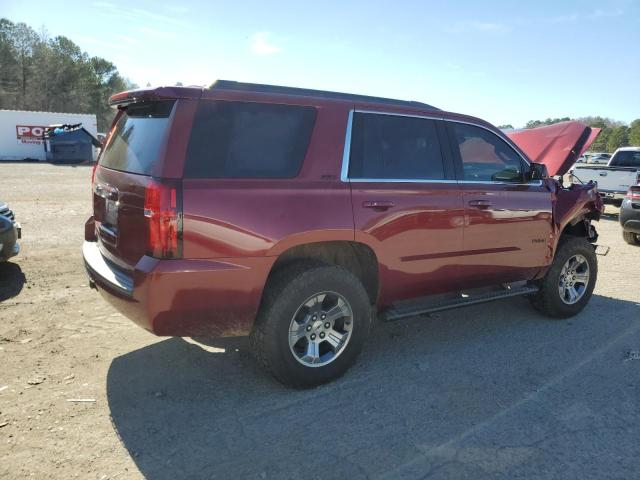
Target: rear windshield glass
column 137, row 138
column 248, row 140
column 626, row 158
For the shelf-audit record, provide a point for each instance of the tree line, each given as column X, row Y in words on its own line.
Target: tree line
column 54, row 75
column 614, row 134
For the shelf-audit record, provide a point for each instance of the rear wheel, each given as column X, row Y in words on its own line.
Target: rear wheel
column 569, row 283
column 631, row 238
column 312, row 324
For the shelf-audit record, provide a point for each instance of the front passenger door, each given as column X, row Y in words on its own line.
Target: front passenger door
column 507, row 219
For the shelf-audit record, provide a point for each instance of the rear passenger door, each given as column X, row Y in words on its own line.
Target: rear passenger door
column 507, row 218
column 406, row 202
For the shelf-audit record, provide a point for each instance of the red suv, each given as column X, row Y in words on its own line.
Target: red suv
column 294, row 216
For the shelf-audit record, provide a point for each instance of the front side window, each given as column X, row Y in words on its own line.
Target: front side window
column 248, row 140
column 394, row 147
column 486, row 157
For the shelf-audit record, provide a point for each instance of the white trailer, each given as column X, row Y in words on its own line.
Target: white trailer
column 21, row 131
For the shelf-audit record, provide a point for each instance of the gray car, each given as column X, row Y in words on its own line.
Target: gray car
column 10, row 233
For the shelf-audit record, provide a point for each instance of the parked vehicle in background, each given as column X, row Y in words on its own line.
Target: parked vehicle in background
column 630, row 216
column 599, row 158
column 10, row 233
column 294, row 216
column 615, row 178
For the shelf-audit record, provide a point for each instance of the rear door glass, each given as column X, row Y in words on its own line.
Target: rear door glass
column 248, row 140
column 138, row 137
column 394, row 147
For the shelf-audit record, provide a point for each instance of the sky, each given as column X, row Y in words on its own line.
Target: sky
column 506, row 62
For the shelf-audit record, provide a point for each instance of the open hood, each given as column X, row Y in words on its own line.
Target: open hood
column 557, row 146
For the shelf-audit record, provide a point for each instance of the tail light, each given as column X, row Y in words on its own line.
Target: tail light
column 93, row 174
column 633, row 194
column 162, row 211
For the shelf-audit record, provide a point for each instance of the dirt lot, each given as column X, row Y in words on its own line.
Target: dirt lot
column 492, row 391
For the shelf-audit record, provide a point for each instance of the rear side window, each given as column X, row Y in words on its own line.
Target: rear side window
column 138, row 136
column 248, row 140
column 486, row 157
column 395, row 148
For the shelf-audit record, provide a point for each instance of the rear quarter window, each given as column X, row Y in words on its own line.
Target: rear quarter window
column 138, row 136
column 248, row 140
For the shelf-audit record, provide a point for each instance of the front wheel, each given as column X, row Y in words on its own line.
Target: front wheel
column 312, row 324
column 568, row 285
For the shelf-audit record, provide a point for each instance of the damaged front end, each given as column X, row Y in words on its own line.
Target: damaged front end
column 557, row 147
column 574, row 209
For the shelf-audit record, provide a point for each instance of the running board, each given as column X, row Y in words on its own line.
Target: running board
column 436, row 304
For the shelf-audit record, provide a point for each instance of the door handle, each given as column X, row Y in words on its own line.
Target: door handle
column 480, row 203
column 603, row 174
column 378, row 204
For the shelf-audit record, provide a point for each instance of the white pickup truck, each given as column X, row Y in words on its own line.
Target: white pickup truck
column 615, row 178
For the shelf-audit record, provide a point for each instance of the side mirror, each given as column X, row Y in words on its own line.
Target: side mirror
column 537, row 171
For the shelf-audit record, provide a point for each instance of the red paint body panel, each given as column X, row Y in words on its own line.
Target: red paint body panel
column 557, row 146
column 418, row 241
column 194, row 297
column 430, row 240
column 508, row 239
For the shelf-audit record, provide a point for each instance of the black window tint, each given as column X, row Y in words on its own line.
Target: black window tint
column 248, row 140
column 485, row 156
column 394, row 147
column 138, row 135
column 627, row 158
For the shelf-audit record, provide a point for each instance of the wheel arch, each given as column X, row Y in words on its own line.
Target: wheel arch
column 356, row 257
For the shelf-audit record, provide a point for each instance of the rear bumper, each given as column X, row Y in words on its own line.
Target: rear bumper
column 183, row 297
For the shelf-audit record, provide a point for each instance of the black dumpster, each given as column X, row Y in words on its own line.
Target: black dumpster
column 69, row 144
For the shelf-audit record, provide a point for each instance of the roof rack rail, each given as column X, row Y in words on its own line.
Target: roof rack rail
column 307, row 92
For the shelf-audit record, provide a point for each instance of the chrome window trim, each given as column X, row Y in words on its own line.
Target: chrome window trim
column 398, row 180
column 344, row 172
column 533, row 183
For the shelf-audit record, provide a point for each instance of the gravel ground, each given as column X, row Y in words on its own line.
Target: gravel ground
column 490, row 391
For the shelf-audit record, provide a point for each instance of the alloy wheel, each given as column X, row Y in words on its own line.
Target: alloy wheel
column 574, row 279
column 320, row 329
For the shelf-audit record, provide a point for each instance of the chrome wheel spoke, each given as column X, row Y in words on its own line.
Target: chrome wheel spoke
column 312, row 355
column 339, row 311
column 335, row 339
column 296, row 332
column 582, row 278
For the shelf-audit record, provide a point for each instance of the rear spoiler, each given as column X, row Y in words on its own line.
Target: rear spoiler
column 154, row 94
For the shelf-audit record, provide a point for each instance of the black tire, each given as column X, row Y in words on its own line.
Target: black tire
column 285, row 293
column 548, row 299
column 631, row 238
